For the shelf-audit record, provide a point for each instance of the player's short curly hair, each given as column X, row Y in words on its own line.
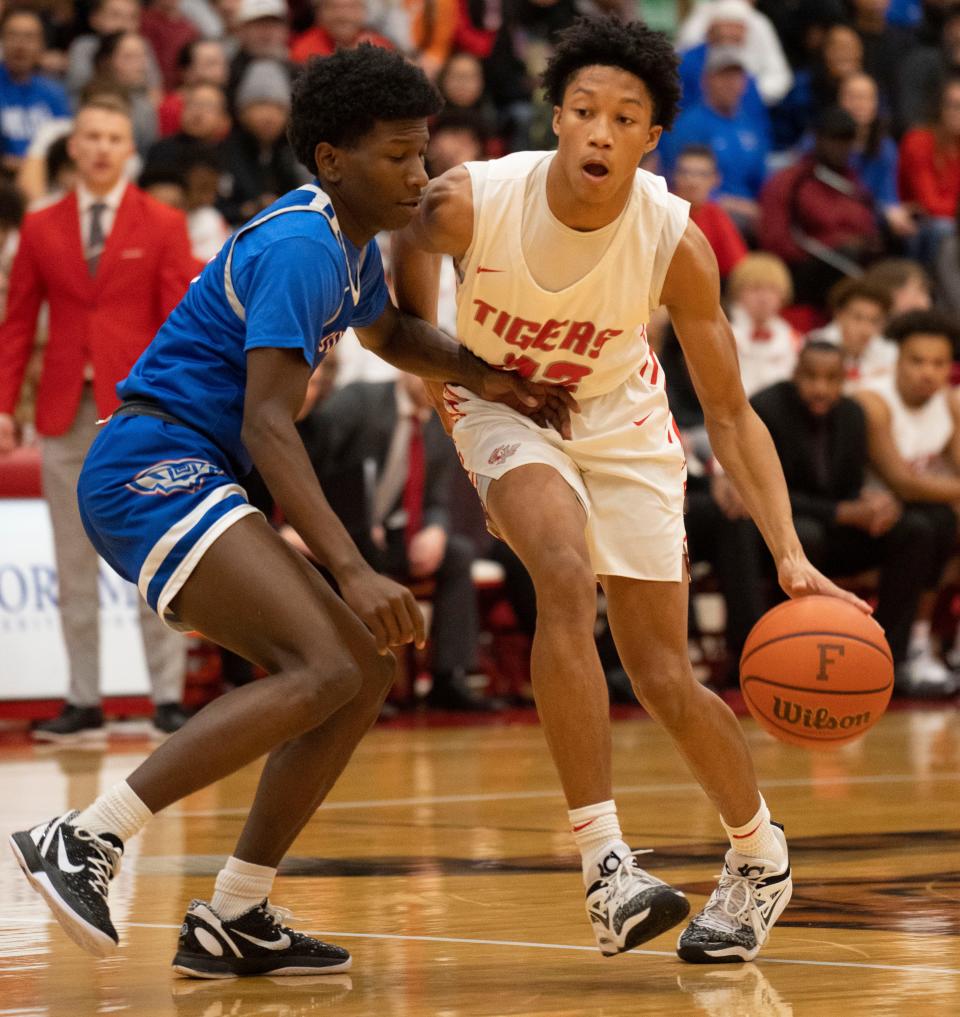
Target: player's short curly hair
column 920, row 322
column 631, row 46
column 340, row 98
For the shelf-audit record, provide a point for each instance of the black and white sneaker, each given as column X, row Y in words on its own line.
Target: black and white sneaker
column 71, row 869
column 627, row 906
column 739, row 914
column 255, row 943
column 75, row 725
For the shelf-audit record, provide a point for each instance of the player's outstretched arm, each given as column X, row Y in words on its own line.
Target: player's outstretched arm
column 276, row 385
column 407, row 337
column 739, row 439
column 443, row 225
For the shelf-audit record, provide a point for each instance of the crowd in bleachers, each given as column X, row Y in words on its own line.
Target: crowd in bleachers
column 818, row 145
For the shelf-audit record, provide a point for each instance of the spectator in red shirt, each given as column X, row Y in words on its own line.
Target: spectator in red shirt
column 930, row 172
column 817, row 215
column 340, row 24
column 695, row 177
column 167, row 31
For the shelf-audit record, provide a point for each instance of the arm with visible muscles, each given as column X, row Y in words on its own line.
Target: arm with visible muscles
column 444, row 225
column 739, row 439
column 276, row 385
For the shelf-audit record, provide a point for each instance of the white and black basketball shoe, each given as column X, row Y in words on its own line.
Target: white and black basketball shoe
column 255, row 943
column 736, row 921
column 71, row 869
column 627, row 906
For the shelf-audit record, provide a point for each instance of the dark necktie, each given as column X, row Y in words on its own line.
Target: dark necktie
column 416, row 476
column 96, row 240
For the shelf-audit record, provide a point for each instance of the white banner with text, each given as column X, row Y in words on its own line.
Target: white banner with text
column 33, row 661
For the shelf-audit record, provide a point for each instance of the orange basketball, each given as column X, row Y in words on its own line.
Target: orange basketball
column 815, row 671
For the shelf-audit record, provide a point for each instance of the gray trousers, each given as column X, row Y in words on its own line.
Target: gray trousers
column 77, row 568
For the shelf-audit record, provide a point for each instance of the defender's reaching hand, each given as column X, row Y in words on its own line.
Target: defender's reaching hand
column 548, row 405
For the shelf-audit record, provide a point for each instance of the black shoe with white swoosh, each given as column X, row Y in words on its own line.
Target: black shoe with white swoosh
column 71, row 869
column 255, row 943
column 737, row 919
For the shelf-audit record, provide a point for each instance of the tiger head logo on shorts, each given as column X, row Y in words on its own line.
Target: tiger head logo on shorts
column 172, row 476
column 502, row 453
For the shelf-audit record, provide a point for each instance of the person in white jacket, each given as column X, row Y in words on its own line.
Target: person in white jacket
column 761, row 44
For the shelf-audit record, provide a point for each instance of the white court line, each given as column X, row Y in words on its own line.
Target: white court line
column 508, row 796
column 456, row 940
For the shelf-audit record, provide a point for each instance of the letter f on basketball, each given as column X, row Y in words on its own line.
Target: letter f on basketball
column 825, row 658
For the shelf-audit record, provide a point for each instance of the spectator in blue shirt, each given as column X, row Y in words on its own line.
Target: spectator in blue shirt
column 838, row 55
column 27, row 100
column 734, row 23
column 904, row 12
column 741, row 142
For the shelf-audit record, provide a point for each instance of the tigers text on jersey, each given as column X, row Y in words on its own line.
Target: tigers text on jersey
column 593, row 333
column 624, row 460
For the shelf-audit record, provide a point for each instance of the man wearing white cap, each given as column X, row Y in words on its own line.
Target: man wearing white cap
column 262, row 32
column 734, row 23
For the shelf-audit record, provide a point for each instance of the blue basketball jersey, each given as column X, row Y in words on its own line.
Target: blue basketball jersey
column 288, row 279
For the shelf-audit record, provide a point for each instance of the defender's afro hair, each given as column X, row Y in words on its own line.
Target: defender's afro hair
column 631, row 46
column 340, row 98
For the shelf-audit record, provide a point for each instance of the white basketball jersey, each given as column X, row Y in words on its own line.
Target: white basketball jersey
column 921, row 433
column 591, row 335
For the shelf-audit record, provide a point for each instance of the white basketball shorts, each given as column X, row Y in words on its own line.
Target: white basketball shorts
column 624, row 462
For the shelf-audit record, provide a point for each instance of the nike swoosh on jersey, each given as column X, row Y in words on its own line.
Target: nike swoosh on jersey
column 63, row 862
column 640, row 423
column 480, row 269
column 270, row 944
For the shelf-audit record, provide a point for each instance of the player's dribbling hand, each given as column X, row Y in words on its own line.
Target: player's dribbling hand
column 387, row 609
column 798, row 578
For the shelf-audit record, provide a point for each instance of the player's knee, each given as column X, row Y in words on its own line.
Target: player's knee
column 664, row 690
column 566, row 581
column 322, row 689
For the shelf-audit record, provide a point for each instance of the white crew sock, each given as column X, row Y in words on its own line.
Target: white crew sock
column 241, row 886
column 596, row 829
column 118, row 811
column 756, row 838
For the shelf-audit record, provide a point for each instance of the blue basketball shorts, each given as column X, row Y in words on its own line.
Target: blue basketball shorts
column 153, row 497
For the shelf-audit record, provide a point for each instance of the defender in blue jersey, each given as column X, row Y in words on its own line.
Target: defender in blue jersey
column 217, row 390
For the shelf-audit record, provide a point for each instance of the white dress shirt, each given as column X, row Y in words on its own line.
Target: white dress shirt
column 86, row 200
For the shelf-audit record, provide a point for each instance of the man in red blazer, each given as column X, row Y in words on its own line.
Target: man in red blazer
column 111, row 263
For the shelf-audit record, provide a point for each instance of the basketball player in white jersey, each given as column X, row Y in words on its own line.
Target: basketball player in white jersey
column 562, row 257
column 913, row 428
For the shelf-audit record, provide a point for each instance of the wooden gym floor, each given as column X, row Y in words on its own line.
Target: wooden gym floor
column 442, row 861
